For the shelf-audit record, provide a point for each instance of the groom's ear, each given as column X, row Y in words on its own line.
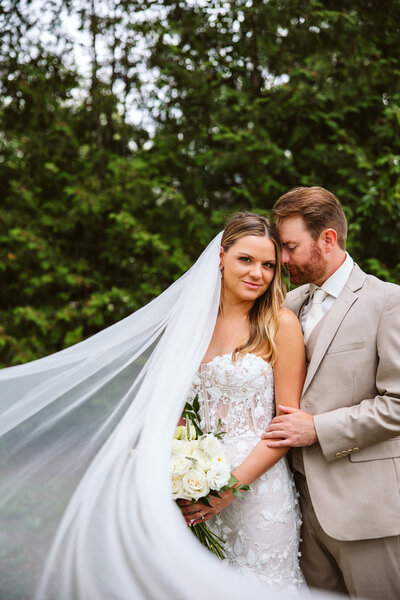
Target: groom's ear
column 328, row 238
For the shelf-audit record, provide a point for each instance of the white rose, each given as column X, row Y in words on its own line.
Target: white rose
column 183, row 447
column 176, row 485
column 204, row 461
column 191, row 447
column 218, row 476
column 210, row 444
column 194, row 485
column 179, row 464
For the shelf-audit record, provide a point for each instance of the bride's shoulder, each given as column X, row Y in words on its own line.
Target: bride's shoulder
column 288, row 323
column 289, row 341
column 287, row 317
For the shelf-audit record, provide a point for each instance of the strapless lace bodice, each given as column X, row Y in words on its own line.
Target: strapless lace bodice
column 261, row 531
column 240, row 394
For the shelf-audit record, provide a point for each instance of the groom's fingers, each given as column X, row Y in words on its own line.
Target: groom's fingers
column 296, row 430
column 271, row 429
column 280, row 444
column 278, row 438
column 278, row 433
column 276, row 424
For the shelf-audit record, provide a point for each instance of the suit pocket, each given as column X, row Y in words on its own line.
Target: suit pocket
column 346, row 347
column 388, row 449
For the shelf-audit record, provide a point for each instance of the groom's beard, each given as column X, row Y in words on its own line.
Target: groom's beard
column 313, row 270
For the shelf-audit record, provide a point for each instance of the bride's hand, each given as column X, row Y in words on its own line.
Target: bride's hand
column 198, row 513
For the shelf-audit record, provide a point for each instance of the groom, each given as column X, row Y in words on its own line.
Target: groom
column 346, row 437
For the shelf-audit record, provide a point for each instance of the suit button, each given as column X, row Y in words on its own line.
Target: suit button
column 356, row 449
column 338, row 455
column 344, row 453
column 350, row 450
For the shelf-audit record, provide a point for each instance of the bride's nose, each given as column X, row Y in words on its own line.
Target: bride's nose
column 256, row 271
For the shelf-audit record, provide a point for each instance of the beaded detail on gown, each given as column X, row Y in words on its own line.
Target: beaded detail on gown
column 261, row 531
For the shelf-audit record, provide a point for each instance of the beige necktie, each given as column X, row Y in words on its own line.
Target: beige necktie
column 315, row 313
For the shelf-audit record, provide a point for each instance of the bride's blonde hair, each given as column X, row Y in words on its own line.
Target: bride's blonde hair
column 264, row 314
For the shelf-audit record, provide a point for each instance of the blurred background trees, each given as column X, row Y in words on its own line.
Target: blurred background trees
column 115, row 173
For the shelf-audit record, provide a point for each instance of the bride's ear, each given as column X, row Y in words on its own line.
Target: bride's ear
column 221, row 256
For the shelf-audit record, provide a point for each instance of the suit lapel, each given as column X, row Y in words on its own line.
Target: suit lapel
column 333, row 319
column 299, row 301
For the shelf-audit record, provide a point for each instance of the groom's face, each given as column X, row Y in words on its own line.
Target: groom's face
column 302, row 255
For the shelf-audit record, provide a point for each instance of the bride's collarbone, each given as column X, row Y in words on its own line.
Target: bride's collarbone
column 221, row 345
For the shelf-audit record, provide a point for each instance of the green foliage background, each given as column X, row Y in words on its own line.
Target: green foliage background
column 241, row 101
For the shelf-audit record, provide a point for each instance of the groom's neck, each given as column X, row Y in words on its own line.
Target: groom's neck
column 334, row 261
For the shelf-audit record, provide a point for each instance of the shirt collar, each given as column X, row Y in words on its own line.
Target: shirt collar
column 336, row 282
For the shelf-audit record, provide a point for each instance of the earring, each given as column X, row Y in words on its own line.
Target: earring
column 221, row 269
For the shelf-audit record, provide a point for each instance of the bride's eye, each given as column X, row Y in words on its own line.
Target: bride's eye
column 269, row 265
column 244, row 258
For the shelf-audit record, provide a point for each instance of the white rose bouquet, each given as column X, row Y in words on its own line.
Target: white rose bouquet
column 199, row 469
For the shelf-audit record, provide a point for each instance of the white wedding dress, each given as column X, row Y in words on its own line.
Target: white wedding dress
column 261, row 531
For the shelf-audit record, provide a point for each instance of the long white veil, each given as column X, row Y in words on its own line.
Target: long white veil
column 85, row 435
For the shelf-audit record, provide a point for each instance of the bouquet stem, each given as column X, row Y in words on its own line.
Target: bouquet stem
column 209, row 539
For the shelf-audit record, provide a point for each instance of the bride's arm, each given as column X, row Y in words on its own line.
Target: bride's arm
column 289, row 374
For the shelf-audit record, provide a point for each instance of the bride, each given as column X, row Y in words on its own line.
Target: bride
column 256, row 349
column 85, row 437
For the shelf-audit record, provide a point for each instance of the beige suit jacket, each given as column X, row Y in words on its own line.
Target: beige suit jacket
column 353, row 389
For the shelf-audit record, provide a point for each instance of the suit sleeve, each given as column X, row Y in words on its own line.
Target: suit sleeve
column 346, row 430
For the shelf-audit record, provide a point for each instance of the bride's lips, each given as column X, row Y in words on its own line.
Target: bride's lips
column 252, row 286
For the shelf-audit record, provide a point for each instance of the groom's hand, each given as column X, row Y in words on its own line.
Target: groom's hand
column 294, row 427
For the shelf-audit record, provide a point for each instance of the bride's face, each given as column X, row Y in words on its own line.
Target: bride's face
column 248, row 268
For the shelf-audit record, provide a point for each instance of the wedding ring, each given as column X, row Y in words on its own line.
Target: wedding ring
column 202, row 516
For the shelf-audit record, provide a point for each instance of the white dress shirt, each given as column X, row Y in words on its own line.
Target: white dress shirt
column 333, row 286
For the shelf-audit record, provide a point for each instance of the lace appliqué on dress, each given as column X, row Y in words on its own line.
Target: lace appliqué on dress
column 261, row 531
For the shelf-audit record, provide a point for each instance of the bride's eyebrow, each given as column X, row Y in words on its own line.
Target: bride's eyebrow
column 270, row 260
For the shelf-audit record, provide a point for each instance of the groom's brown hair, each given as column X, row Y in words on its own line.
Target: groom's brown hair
column 318, row 208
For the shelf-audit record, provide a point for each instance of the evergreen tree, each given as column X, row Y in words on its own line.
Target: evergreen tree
column 240, row 101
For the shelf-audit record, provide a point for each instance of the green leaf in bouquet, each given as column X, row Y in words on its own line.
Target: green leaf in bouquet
column 196, row 405
column 191, row 411
column 218, row 433
column 244, row 487
column 232, row 481
column 199, row 432
column 235, row 490
column 237, row 493
column 189, row 415
column 204, row 501
column 214, row 493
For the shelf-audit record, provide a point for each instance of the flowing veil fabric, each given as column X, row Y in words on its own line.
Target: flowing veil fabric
column 85, row 434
